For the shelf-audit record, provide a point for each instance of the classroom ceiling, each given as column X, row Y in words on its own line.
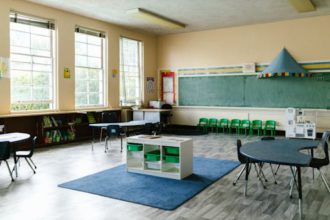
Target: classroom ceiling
column 196, row 14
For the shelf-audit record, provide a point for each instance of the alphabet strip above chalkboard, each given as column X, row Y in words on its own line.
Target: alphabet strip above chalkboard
column 314, row 67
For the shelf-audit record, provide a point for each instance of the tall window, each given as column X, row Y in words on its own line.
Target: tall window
column 32, row 63
column 89, row 68
column 131, row 71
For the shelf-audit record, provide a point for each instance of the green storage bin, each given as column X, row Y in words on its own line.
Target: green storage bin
column 172, row 159
column 172, row 150
column 134, row 147
column 153, row 155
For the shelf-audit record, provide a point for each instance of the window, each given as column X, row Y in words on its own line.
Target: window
column 32, row 63
column 131, row 71
column 89, row 68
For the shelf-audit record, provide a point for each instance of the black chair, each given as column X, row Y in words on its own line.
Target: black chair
column 318, row 163
column 4, row 156
column 166, row 106
column 149, row 129
column 107, row 117
column 27, row 155
column 244, row 160
column 114, row 131
column 165, row 116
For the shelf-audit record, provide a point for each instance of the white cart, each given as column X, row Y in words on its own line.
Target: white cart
column 169, row 157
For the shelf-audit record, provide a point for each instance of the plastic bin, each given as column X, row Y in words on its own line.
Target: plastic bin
column 172, row 150
column 153, row 165
column 134, row 147
column 172, row 159
column 153, row 155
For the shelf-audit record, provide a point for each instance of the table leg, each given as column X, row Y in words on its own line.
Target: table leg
column 15, row 159
column 247, row 170
column 93, row 138
column 293, row 181
column 121, row 144
column 312, row 154
column 300, row 192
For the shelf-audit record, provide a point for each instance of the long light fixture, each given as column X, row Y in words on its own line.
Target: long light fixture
column 155, row 18
column 302, row 5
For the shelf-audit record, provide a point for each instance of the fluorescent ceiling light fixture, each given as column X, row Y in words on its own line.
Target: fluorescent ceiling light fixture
column 155, row 18
column 302, row 5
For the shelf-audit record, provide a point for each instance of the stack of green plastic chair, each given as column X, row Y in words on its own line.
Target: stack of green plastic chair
column 245, row 125
column 224, row 124
column 213, row 124
column 235, row 123
column 270, row 125
column 203, row 124
column 256, row 125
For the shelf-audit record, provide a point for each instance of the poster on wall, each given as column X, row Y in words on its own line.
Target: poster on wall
column 167, row 86
column 67, row 73
column 4, row 67
column 150, row 85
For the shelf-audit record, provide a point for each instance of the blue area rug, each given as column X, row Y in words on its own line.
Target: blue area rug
column 153, row 191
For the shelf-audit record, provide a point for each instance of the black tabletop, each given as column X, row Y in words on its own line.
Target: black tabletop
column 281, row 151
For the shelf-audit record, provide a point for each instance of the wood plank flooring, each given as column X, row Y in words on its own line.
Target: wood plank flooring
column 38, row 197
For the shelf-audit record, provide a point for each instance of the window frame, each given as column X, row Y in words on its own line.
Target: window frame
column 39, row 22
column 92, row 32
column 125, row 103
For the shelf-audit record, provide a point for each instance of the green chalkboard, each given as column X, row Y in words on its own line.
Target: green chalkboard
column 249, row 91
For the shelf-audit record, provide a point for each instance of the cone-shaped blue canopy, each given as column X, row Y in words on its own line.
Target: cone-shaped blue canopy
column 284, row 65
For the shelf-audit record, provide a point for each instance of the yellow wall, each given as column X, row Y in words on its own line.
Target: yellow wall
column 65, row 23
column 306, row 39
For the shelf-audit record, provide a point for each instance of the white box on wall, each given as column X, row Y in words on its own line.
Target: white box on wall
column 249, row 68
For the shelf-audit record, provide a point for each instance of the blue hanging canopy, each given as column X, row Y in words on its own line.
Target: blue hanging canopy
column 284, row 65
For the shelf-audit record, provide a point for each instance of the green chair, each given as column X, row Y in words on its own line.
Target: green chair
column 203, row 124
column 256, row 125
column 224, row 124
column 235, row 123
column 245, row 125
column 270, row 125
column 213, row 122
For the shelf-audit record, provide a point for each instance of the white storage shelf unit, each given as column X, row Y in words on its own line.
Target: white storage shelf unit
column 145, row 144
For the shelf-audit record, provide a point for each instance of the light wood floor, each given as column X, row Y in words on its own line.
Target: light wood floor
column 38, row 197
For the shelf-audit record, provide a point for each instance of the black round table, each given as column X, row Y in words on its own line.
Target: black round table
column 283, row 152
column 14, row 137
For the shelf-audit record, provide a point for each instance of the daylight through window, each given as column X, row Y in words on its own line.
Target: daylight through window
column 89, row 68
column 131, row 71
column 32, row 63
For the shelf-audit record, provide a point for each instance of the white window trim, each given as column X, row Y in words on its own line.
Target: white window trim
column 54, row 57
column 141, row 68
column 104, row 72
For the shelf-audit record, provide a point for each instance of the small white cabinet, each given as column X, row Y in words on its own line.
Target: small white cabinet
column 169, row 157
column 151, row 115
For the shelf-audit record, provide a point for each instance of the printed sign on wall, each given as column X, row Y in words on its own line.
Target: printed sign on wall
column 67, row 74
column 4, row 67
column 150, row 85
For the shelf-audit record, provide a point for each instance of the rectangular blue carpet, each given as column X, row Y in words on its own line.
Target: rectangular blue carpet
column 153, row 191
